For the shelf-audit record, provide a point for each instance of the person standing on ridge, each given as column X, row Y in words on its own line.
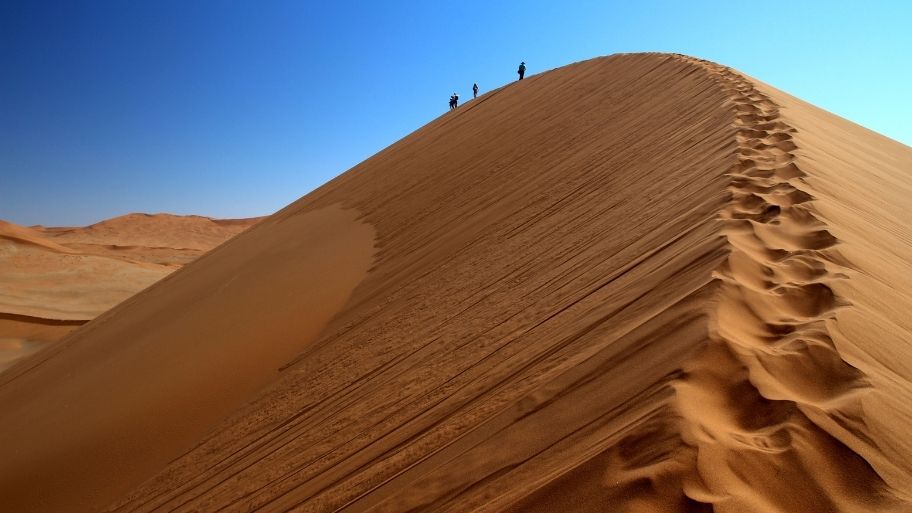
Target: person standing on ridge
column 521, row 70
column 452, row 101
column 474, row 91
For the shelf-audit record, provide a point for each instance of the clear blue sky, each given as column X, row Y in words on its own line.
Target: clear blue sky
column 235, row 109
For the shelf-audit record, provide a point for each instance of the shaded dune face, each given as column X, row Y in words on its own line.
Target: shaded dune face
column 637, row 283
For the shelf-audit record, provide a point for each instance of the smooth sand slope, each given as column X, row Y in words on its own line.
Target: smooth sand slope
column 53, row 280
column 640, row 283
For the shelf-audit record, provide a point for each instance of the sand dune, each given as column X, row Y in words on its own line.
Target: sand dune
column 640, row 283
column 56, row 279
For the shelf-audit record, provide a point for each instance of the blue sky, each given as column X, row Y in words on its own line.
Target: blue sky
column 235, row 109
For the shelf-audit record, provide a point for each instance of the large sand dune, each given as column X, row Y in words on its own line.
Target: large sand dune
column 53, row 280
column 640, row 283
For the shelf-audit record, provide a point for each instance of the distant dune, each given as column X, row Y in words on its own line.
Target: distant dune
column 53, row 280
column 639, row 283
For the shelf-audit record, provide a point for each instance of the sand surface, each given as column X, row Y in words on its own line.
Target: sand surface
column 53, row 280
column 640, row 283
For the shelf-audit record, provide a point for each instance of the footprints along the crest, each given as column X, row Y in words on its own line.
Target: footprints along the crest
column 771, row 359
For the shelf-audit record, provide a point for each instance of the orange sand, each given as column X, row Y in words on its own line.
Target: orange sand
column 640, row 283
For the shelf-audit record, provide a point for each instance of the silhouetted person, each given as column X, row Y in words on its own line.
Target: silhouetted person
column 474, row 90
column 521, row 70
column 455, row 100
column 452, row 102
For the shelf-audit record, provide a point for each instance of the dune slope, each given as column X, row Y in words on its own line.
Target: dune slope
column 638, row 283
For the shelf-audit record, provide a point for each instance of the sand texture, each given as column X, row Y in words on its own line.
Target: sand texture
column 53, row 280
column 639, row 283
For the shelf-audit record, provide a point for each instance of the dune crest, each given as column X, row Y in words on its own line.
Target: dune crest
column 754, row 403
column 639, row 283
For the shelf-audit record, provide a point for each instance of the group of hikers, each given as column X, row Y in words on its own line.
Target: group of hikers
column 454, row 98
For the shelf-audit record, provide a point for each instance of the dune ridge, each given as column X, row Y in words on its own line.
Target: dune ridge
column 772, row 359
column 640, row 283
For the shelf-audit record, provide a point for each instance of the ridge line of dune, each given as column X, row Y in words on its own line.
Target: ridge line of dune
column 771, row 391
column 622, row 299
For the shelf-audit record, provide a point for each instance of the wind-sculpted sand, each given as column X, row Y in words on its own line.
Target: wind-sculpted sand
column 640, row 283
column 53, row 280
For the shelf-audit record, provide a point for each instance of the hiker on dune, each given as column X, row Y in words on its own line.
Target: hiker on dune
column 521, row 70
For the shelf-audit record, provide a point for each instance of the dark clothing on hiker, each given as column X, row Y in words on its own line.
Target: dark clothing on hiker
column 521, row 70
column 474, row 90
column 454, row 101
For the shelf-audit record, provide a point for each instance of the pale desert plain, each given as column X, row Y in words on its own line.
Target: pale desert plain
column 638, row 283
